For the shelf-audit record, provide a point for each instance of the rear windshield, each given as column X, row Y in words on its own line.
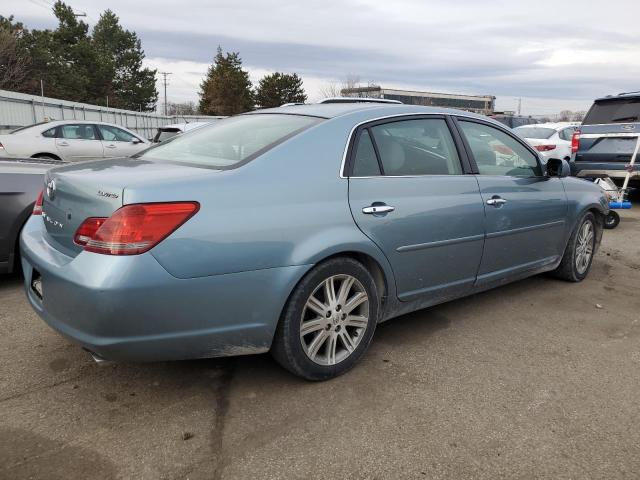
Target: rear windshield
column 164, row 134
column 614, row 111
column 535, row 132
column 231, row 141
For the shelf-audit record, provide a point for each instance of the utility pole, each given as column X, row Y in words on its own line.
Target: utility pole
column 164, row 80
column 519, row 105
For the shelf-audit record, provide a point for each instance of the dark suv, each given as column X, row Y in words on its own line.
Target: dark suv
column 607, row 139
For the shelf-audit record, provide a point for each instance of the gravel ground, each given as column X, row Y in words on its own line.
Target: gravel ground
column 538, row 379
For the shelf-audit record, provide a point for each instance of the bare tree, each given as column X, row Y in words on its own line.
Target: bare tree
column 350, row 82
column 184, row 108
column 13, row 66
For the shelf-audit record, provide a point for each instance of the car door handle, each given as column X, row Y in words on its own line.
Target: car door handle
column 110, row 146
column 378, row 209
column 496, row 201
column 63, row 144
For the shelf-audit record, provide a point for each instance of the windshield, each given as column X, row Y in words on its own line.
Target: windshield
column 535, row 132
column 231, row 141
column 614, row 111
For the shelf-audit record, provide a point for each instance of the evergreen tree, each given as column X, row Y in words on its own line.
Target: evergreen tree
column 226, row 90
column 14, row 59
column 120, row 51
column 279, row 88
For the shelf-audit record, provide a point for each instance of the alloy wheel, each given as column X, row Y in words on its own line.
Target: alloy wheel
column 584, row 247
column 334, row 319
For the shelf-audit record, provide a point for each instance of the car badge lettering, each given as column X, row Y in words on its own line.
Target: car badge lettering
column 51, row 189
column 628, row 127
column 51, row 221
column 107, row 194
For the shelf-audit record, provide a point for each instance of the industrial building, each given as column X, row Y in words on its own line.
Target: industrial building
column 473, row 103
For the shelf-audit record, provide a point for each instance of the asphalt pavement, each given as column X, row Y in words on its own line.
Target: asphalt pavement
column 537, row 379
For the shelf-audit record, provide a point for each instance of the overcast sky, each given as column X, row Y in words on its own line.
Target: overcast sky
column 553, row 54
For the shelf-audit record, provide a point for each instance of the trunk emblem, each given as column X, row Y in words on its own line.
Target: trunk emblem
column 628, row 127
column 51, row 189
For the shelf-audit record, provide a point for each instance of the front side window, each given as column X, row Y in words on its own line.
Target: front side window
column 416, row 147
column 228, row 142
column 497, row 153
column 114, row 134
column 78, row 132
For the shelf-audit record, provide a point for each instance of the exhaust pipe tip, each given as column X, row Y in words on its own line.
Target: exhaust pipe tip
column 97, row 358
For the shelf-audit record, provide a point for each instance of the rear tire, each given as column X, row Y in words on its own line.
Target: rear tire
column 612, row 220
column 580, row 250
column 328, row 321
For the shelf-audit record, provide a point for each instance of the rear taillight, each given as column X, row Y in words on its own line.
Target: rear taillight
column 575, row 142
column 133, row 229
column 37, row 207
column 544, row 148
column 87, row 230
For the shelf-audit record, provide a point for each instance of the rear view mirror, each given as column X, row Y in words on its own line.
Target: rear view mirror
column 558, row 168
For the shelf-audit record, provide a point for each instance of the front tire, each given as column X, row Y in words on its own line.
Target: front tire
column 580, row 250
column 329, row 320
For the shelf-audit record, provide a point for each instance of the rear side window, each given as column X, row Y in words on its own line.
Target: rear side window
column 497, row 153
column 366, row 162
column 78, row 132
column 229, row 142
column 535, row 132
column 51, row 133
column 416, row 147
column 614, row 111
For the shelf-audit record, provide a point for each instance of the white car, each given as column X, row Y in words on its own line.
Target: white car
column 71, row 141
column 552, row 140
column 168, row 131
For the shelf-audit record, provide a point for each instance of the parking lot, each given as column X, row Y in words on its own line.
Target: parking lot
column 535, row 379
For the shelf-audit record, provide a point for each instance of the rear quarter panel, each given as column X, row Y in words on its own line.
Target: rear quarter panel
column 287, row 207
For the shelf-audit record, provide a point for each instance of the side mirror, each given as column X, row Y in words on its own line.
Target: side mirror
column 558, row 168
column 136, row 141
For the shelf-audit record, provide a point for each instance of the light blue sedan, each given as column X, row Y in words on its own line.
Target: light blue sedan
column 297, row 230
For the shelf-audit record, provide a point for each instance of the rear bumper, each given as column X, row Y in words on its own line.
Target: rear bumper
column 130, row 308
column 615, row 170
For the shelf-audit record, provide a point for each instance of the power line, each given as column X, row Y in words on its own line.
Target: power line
column 164, row 80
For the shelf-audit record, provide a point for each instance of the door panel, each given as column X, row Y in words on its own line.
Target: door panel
column 525, row 211
column 434, row 236
column 78, row 142
column 118, row 142
column 527, row 231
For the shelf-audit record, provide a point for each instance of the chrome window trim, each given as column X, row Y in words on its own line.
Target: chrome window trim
column 355, row 127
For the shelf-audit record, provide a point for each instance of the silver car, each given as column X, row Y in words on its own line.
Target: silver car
column 297, row 230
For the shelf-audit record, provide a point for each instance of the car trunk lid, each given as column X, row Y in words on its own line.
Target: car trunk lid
column 96, row 189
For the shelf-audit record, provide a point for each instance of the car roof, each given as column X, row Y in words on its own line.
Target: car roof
column 55, row 123
column 333, row 110
column 553, row 125
column 620, row 96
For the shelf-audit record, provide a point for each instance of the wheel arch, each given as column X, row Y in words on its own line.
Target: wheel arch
column 46, row 154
